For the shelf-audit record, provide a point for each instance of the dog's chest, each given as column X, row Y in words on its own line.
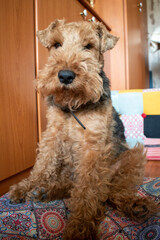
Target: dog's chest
column 71, row 135
column 92, row 136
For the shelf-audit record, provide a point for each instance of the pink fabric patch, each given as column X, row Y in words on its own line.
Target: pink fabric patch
column 133, row 124
column 151, row 90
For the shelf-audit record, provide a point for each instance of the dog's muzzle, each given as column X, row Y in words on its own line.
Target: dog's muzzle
column 66, row 76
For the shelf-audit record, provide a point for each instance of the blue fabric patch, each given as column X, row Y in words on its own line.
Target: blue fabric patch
column 133, row 141
column 130, row 103
column 113, row 92
column 152, row 126
column 114, row 97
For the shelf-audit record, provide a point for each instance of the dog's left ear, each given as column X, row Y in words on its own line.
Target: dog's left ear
column 45, row 36
column 107, row 40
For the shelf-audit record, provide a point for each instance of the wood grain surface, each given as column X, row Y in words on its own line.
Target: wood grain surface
column 18, row 118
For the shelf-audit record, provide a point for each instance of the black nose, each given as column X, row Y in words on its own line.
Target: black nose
column 66, row 76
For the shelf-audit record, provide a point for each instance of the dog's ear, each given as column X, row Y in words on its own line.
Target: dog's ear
column 44, row 35
column 107, row 40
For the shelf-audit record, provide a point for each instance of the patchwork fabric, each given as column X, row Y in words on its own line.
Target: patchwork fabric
column 130, row 103
column 130, row 91
column 114, row 96
column 22, row 222
column 152, row 126
column 151, row 90
column 51, row 223
column 151, row 103
column 37, row 220
column 31, row 220
column 133, row 141
column 153, row 148
column 140, row 113
column 133, row 124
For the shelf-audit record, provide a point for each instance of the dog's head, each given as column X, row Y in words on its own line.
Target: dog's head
column 72, row 73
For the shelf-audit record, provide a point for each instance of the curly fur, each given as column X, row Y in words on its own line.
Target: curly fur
column 92, row 166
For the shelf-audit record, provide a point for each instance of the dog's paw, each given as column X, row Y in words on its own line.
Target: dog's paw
column 143, row 209
column 140, row 211
column 17, row 194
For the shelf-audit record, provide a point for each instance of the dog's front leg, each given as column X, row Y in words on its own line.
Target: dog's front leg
column 45, row 183
column 29, row 187
column 88, row 195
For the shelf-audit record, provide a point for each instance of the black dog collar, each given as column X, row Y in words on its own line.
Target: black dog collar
column 78, row 120
column 50, row 100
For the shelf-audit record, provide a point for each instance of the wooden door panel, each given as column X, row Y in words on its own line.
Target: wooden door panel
column 137, row 76
column 18, row 120
column 112, row 12
column 134, row 45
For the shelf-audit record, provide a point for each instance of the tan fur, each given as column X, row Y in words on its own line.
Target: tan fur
column 92, row 166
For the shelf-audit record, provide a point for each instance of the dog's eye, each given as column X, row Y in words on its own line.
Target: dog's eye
column 57, row 45
column 88, row 46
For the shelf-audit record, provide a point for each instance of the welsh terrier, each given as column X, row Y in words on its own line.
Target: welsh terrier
column 83, row 154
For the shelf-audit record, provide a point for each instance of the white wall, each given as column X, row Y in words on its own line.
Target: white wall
column 153, row 13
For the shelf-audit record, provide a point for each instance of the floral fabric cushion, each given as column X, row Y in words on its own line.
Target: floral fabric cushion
column 37, row 220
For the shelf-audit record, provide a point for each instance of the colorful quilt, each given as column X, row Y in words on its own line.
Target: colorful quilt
column 37, row 220
column 140, row 113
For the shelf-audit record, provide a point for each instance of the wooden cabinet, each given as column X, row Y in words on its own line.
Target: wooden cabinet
column 18, row 116
column 127, row 64
column 137, row 73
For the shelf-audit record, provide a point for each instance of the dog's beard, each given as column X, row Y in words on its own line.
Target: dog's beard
column 73, row 98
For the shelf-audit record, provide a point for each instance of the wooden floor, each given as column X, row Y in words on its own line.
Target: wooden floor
column 152, row 169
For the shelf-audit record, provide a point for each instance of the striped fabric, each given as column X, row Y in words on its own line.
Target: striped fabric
column 153, row 148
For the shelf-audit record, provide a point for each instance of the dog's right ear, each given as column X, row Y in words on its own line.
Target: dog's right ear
column 44, row 36
column 108, row 41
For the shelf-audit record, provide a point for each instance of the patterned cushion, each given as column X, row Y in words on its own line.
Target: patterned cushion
column 140, row 113
column 37, row 220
